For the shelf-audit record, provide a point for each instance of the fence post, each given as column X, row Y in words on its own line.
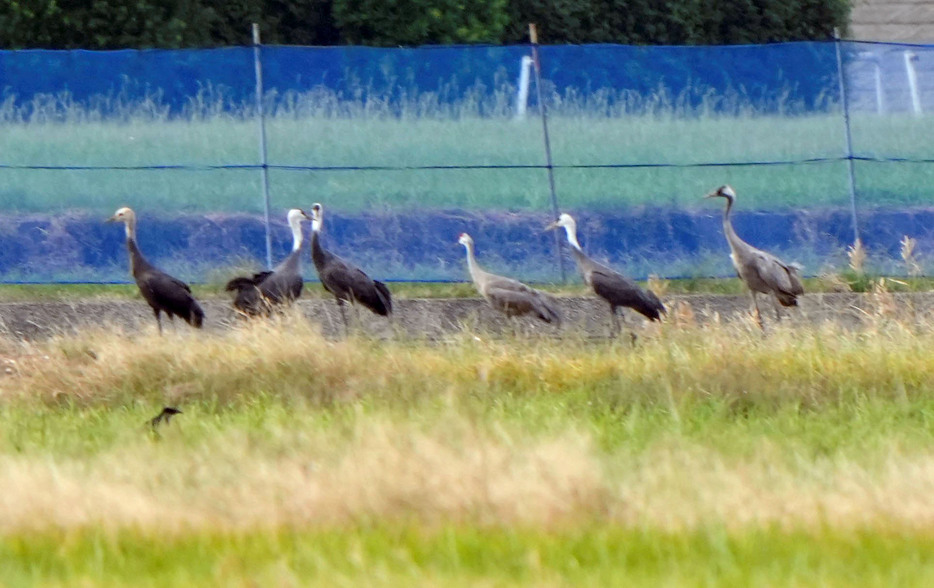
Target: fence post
column 844, row 101
column 264, row 170
column 533, row 39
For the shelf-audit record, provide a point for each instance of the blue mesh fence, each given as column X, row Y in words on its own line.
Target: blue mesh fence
column 407, row 148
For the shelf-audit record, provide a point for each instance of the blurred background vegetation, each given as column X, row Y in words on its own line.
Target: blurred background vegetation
column 114, row 24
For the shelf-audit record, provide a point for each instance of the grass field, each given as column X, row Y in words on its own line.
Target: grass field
column 703, row 456
column 577, row 139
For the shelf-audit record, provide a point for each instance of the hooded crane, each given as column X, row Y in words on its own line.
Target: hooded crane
column 616, row 289
column 282, row 285
column 761, row 272
column 511, row 297
column 344, row 280
column 163, row 292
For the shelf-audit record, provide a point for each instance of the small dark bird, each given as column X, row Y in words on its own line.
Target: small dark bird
column 509, row 296
column 345, row 281
column 762, row 272
column 258, row 294
column 165, row 416
column 618, row 290
column 163, row 292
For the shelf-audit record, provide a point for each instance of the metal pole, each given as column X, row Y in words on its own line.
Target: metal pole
column 533, row 38
column 264, row 170
column 844, row 101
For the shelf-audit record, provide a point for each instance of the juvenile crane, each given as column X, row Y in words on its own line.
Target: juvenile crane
column 163, row 292
column 258, row 294
column 761, row 272
column 511, row 297
column 344, row 280
column 618, row 290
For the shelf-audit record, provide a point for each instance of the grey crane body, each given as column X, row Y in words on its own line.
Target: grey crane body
column 282, row 285
column 616, row 289
column 345, row 281
column 163, row 292
column 509, row 296
column 762, row 272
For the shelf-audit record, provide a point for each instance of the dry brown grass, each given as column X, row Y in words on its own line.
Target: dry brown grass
column 419, row 448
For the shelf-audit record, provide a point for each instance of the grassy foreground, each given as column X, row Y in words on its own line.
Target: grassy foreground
column 703, row 456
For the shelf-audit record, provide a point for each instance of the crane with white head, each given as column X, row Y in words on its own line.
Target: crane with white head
column 617, row 290
column 282, row 285
column 345, row 281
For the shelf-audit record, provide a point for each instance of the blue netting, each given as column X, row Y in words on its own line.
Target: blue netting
column 409, row 147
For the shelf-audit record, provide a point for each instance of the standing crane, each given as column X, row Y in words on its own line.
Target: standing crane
column 256, row 295
column 163, row 292
column 761, row 272
column 345, row 281
column 618, row 290
column 511, row 297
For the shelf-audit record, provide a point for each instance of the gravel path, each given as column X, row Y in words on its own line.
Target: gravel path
column 434, row 318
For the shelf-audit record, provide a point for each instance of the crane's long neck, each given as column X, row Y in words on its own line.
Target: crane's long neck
column 571, row 230
column 731, row 236
column 318, row 255
column 296, row 224
column 476, row 274
column 137, row 261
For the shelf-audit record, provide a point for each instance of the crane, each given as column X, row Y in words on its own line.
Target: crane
column 617, row 290
column 511, row 297
column 345, row 281
column 163, row 292
column 257, row 294
column 762, row 272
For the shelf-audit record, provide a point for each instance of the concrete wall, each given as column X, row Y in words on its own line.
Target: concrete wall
column 909, row 21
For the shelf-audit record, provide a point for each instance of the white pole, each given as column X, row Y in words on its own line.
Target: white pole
column 876, row 61
column 910, row 58
column 522, row 97
column 264, row 170
column 880, row 96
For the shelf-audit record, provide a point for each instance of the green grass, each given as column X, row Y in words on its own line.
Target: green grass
column 577, row 140
column 454, row 556
column 703, row 456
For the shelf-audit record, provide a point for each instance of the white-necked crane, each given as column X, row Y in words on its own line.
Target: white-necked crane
column 761, row 271
column 618, row 290
column 259, row 293
column 509, row 296
column 163, row 292
column 345, row 281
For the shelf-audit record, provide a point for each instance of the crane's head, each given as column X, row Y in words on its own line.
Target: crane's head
column 316, row 215
column 465, row 240
column 296, row 215
column 565, row 220
column 724, row 191
column 124, row 214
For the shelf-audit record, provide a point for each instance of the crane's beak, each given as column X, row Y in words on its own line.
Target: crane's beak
column 713, row 194
column 552, row 226
column 112, row 219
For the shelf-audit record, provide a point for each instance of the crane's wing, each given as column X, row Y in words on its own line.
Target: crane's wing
column 345, row 280
column 782, row 278
column 515, row 302
column 621, row 291
column 169, row 294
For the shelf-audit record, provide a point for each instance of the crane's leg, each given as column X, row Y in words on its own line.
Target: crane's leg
column 340, row 305
column 615, row 330
column 158, row 314
column 755, row 306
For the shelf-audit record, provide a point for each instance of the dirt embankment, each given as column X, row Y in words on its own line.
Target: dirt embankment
column 435, row 318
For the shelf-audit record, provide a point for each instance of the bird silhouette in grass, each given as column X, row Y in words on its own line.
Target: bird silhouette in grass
column 164, row 417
